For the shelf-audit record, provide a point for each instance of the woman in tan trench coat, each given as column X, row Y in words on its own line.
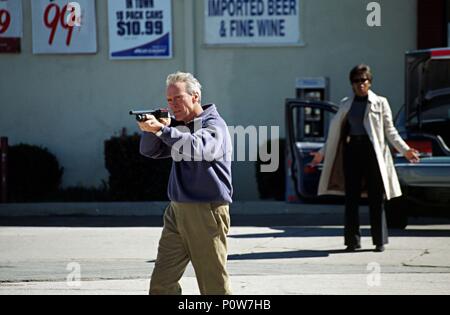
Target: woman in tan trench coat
column 358, row 159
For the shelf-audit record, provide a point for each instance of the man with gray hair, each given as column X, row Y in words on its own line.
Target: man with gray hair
column 197, row 220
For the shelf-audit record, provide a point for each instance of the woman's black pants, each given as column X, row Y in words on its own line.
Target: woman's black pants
column 360, row 165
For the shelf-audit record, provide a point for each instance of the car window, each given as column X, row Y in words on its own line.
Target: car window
column 438, row 113
column 428, row 88
column 438, row 75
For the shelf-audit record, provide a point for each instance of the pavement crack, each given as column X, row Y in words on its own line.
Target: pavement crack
column 263, row 245
column 410, row 261
column 426, row 266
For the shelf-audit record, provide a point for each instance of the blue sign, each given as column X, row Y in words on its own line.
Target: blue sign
column 140, row 29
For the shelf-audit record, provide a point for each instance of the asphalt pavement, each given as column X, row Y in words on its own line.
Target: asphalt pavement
column 283, row 254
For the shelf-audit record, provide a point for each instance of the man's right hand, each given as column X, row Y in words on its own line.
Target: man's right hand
column 154, row 125
column 165, row 121
column 318, row 158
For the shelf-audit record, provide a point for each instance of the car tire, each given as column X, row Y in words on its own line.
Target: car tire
column 396, row 213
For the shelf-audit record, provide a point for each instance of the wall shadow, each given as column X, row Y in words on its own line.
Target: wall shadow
column 292, row 254
column 312, row 224
column 336, row 232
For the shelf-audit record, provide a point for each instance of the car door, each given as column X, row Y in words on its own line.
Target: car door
column 307, row 124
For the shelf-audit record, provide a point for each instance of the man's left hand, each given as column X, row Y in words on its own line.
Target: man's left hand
column 152, row 125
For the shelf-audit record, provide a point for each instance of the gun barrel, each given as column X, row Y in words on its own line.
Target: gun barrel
column 141, row 112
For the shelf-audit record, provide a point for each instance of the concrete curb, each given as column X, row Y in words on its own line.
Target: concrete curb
column 156, row 209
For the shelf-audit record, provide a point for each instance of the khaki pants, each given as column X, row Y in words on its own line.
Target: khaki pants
column 195, row 232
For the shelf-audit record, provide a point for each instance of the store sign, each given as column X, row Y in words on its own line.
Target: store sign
column 11, row 26
column 252, row 22
column 64, row 27
column 140, row 29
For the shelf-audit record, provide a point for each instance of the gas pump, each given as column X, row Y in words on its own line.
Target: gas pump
column 307, row 123
column 312, row 120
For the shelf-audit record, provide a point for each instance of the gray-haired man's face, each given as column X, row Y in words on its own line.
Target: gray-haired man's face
column 181, row 102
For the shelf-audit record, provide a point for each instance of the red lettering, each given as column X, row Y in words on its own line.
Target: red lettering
column 5, row 21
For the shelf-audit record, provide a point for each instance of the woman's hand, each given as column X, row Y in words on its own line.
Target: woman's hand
column 412, row 155
column 318, row 158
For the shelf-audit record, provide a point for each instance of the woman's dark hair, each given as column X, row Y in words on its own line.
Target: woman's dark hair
column 361, row 69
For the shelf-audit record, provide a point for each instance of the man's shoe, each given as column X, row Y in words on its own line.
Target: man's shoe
column 352, row 248
column 379, row 249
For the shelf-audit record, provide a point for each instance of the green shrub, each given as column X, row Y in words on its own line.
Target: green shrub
column 34, row 174
column 133, row 177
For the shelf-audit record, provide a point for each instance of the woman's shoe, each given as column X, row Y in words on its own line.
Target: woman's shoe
column 379, row 249
column 352, row 248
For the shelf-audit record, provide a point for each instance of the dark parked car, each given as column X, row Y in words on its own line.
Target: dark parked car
column 424, row 122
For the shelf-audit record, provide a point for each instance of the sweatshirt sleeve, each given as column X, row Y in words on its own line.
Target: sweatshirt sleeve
column 206, row 143
column 153, row 147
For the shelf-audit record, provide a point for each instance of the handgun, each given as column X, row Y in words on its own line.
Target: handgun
column 141, row 115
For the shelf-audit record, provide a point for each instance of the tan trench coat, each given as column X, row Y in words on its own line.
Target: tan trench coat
column 379, row 126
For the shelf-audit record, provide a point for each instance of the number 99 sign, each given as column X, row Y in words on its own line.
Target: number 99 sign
column 55, row 17
column 5, row 21
column 64, row 26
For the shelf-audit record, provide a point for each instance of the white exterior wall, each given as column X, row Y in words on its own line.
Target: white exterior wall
column 72, row 104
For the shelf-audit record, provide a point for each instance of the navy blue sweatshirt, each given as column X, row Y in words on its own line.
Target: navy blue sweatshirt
column 202, row 153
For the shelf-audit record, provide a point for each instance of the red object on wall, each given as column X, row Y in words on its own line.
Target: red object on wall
column 9, row 45
column 3, row 169
column 432, row 24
